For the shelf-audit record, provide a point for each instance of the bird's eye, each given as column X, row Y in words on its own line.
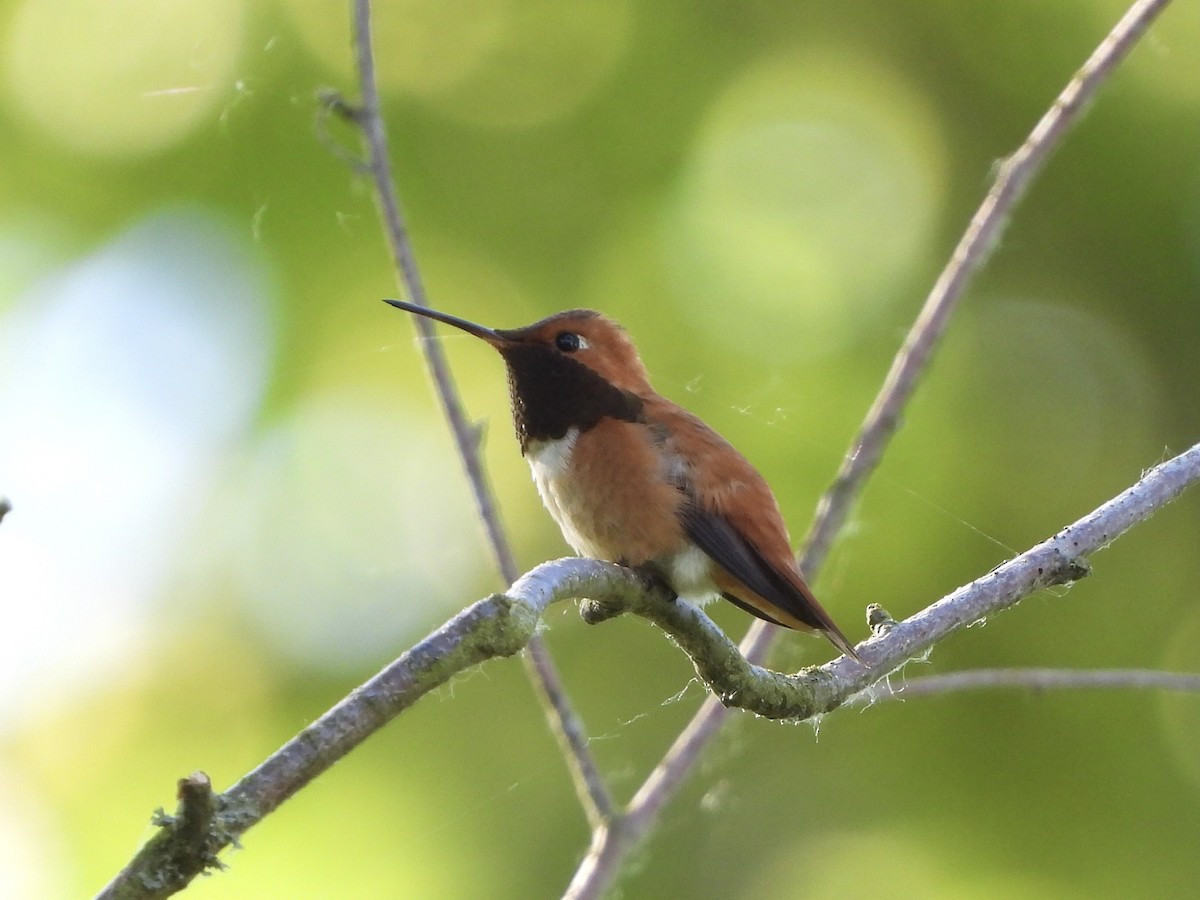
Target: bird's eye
column 569, row 342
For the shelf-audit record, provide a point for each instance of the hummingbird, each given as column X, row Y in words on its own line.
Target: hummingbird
column 633, row 478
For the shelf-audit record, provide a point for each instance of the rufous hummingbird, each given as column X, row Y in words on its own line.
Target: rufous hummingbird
column 635, row 479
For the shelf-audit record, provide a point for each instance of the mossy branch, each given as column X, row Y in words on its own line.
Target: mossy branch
column 503, row 624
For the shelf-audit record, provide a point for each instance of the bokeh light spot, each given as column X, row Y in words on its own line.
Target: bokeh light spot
column 422, row 46
column 812, row 190
column 122, row 379
column 497, row 64
column 350, row 532
column 1058, row 383
column 33, row 858
column 121, row 77
column 833, row 867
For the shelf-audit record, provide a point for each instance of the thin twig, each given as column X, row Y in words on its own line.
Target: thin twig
column 568, row 728
column 370, row 120
column 1013, row 177
column 501, row 625
column 1038, row 680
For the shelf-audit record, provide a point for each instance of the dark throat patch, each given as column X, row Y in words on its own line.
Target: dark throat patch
column 552, row 393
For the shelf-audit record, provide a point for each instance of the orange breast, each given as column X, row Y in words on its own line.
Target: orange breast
column 606, row 489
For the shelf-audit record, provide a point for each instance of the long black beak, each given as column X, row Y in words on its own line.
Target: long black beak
column 488, row 334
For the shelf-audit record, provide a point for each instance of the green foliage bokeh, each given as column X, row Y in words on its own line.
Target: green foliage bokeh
column 762, row 193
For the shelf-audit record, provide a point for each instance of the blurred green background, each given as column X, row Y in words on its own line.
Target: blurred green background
column 235, row 499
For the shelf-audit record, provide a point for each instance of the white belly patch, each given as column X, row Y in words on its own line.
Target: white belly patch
column 550, row 463
column 689, row 574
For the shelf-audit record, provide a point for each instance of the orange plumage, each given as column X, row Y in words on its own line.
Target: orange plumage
column 633, row 478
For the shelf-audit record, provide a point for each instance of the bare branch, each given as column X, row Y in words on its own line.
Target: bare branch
column 590, row 787
column 1013, row 177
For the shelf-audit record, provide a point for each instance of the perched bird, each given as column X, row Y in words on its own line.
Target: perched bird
column 632, row 478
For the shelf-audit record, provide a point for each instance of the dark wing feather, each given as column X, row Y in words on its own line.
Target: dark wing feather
column 713, row 534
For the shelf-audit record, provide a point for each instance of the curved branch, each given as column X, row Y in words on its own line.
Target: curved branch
column 503, row 624
column 1061, row 559
column 499, row 625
